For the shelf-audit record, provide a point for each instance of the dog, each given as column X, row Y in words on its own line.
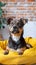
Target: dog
column 16, row 41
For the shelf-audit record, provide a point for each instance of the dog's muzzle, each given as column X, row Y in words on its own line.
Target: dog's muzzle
column 15, row 29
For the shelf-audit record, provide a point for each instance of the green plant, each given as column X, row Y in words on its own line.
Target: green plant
column 1, row 12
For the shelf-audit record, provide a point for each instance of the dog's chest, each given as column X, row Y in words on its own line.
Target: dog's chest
column 16, row 45
column 15, row 38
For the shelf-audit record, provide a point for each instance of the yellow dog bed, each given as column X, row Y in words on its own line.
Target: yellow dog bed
column 28, row 57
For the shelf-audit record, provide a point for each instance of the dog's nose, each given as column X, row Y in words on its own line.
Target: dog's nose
column 15, row 27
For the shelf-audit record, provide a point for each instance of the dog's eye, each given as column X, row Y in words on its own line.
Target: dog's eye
column 12, row 23
column 19, row 25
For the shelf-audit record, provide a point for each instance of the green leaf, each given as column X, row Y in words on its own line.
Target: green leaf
column 2, row 4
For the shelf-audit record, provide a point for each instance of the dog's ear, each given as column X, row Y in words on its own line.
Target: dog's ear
column 24, row 21
column 9, row 21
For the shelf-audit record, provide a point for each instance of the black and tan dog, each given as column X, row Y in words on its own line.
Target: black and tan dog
column 16, row 40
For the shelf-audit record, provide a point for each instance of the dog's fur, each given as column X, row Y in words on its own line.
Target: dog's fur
column 16, row 41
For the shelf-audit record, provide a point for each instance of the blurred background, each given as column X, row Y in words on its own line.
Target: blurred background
column 18, row 9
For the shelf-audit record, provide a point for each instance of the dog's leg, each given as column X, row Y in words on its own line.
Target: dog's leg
column 21, row 50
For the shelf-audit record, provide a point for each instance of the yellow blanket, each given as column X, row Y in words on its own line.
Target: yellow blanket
column 28, row 57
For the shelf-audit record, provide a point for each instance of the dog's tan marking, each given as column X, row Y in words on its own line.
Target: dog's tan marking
column 18, row 34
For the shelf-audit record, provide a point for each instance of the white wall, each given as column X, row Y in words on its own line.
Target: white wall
column 30, row 29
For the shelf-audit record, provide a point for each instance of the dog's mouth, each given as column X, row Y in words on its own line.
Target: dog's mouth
column 15, row 31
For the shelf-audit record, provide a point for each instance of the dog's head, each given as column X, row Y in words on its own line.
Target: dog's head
column 16, row 26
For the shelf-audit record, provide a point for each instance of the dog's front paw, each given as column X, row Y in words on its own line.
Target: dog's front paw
column 20, row 52
column 6, row 52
